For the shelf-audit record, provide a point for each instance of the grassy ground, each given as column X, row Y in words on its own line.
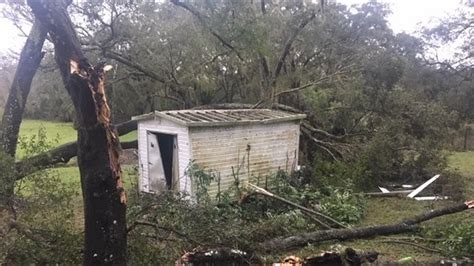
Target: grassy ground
column 58, row 133
column 379, row 210
column 464, row 163
column 393, row 210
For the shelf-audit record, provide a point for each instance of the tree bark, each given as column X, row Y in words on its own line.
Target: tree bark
column 98, row 146
column 30, row 59
column 292, row 242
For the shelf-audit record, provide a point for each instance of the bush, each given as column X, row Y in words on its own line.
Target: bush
column 459, row 239
column 456, row 239
column 43, row 228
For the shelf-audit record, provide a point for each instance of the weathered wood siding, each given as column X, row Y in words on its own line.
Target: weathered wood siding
column 184, row 156
column 260, row 148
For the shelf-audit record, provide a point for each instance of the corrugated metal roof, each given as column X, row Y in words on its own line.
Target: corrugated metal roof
column 221, row 117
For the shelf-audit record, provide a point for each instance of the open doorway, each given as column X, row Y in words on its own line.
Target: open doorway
column 162, row 161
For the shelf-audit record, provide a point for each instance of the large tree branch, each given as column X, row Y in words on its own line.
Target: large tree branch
column 289, row 43
column 65, row 152
column 407, row 225
column 61, row 154
column 316, row 82
column 204, row 23
column 119, row 58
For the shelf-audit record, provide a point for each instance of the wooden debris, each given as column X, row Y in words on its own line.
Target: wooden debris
column 423, row 186
column 217, row 256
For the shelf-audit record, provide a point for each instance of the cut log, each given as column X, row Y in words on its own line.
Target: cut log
column 292, row 242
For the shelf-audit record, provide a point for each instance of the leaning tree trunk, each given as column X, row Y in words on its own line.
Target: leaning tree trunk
column 98, row 146
column 30, row 59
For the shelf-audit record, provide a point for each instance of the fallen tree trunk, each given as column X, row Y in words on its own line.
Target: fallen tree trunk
column 293, row 242
column 65, row 152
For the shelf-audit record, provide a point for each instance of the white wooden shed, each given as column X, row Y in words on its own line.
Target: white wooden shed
column 252, row 142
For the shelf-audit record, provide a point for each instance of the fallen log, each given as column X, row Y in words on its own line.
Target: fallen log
column 66, row 152
column 407, row 225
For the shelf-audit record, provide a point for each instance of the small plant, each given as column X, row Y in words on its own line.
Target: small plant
column 36, row 143
column 459, row 239
column 45, row 229
column 343, row 205
column 201, row 179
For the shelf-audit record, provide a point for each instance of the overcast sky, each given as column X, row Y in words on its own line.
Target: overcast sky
column 407, row 16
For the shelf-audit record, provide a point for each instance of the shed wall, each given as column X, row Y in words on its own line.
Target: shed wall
column 272, row 147
column 184, row 156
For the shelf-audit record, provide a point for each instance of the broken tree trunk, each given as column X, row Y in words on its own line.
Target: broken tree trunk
column 98, row 146
column 292, row 242
column 29, row 61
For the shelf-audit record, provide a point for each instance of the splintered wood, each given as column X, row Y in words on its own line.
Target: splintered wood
column 95, row 76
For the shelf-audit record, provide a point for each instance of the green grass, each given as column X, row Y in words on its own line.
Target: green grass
column 464, row 163
column 393, row 210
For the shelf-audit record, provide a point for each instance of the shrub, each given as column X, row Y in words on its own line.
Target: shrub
column 43, row 229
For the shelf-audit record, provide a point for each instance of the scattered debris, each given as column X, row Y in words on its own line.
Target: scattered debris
column 337, row 255
column 217, row 256
column 411, row 192
column 423, row 186
column 432, row 198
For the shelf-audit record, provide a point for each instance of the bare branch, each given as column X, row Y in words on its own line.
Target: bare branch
column 316, row 82
column 204, row 23
column 289, row 43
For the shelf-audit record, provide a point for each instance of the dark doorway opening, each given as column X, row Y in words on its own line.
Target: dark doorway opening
column 162, row 162
column 166, row 144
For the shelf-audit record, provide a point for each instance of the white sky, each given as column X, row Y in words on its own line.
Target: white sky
column 407, row 16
